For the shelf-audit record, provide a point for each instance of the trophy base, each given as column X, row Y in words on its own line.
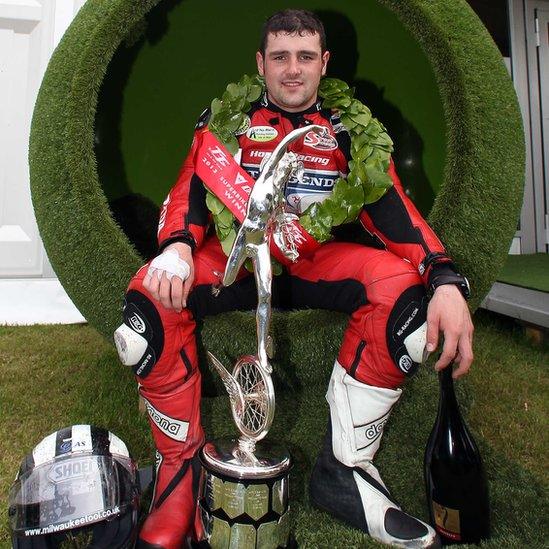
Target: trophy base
column 243, row 498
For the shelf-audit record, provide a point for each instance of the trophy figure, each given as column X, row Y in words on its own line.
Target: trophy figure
column 243, row 497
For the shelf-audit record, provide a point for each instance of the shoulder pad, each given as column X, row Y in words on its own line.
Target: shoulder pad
column 203, row 119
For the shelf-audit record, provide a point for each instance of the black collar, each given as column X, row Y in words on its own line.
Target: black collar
column 265, row 102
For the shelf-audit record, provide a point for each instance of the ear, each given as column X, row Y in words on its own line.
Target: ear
column 325, row 58
column 260, row 65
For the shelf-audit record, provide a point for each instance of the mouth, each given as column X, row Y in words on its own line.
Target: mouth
column 292, row 84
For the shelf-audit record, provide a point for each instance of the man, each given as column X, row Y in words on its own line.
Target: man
column 390, row 327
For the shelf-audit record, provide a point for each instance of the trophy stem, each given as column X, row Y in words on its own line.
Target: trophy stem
column 243, row 496
column 246, row 445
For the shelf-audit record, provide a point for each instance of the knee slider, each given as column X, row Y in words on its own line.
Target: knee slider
column 416, row 342
column 140, row 339
column 130, row 345
column 407, row 329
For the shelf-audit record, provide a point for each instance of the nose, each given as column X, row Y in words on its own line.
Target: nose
column 294, row 68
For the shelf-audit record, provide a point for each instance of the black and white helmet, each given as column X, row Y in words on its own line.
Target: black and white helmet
column 80, row 484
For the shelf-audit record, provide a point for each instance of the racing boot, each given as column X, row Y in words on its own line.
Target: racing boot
column 344, row 481
column 174, row 415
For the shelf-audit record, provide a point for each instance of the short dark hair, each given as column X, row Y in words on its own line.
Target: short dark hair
column 293, row 22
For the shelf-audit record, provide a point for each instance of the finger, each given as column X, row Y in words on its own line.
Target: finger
column 147, row 281
column 432, row 335
column 165, row 292
column 187, row 287
column 177, row 293
column 154, row 285
column 465, row 358
column 448, row 354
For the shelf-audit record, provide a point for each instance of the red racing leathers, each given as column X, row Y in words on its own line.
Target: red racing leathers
column 393, row 221
column 381, row 288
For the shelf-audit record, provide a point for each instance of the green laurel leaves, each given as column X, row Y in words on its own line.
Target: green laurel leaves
column 228, row 119
column 371, row 149
column 367, row 180
column 229, row 112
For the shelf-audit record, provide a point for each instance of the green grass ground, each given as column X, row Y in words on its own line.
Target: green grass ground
column 52, row 376
column 528, row 271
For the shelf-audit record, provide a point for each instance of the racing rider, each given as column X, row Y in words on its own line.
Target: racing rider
column 384, row 289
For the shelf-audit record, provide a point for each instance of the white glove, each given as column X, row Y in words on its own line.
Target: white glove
column 170, row 263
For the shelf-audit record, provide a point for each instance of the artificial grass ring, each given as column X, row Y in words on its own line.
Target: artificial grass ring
column 474, row 213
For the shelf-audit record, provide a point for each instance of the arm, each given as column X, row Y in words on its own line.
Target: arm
column 184, row 216
column 397, row 223
column 182, row 227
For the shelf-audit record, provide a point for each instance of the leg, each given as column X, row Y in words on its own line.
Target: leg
column 159, row 345
column 263, row 279
column 383, row 343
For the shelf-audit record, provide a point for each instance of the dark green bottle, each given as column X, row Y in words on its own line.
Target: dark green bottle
column 457, row 491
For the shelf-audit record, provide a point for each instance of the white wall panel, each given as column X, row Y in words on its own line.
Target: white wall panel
column 20, row 56
column 29, row 32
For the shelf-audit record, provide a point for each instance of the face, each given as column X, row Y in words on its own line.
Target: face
column 292, row 67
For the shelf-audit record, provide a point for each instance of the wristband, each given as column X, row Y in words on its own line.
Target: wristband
column 186, row 237
column 456, row 279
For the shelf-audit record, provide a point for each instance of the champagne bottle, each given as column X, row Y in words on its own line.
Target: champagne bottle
column 457, row 491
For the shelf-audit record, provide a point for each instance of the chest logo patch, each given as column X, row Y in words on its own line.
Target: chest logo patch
column 262, row 134
column 321, row 143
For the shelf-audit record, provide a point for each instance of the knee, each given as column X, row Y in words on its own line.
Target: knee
column 406, row 329
column 139, row 339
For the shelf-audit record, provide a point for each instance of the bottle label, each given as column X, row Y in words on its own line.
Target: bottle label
column 447, row 521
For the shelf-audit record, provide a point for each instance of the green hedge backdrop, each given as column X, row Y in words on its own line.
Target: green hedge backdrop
column 428, row 69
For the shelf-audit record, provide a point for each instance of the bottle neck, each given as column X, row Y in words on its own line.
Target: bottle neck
column 447, row 393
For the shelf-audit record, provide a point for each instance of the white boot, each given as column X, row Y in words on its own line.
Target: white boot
column 344, row 481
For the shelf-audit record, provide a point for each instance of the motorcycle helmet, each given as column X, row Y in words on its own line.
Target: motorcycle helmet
column 78, row 488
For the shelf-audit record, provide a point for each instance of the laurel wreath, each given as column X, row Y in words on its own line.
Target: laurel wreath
column 371, row 148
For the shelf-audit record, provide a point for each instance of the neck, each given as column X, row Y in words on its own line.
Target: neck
column 313, row 106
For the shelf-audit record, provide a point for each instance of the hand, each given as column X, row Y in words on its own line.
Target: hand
column 448, row 312
column 165, row 285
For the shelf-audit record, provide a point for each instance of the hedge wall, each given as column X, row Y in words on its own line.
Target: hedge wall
column 475, row 211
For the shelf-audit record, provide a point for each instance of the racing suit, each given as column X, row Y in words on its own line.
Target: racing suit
column 380, row 287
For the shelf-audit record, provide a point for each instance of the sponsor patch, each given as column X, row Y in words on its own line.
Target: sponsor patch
column 405, row 363
column 72, row 470
column 320, row 142
column 300, row 157
column 65, row 446
column 407, row 322
column 173, row 428
column 146, row 362
column 240, row 179
column 137, row 323
column 337, row 124
column 261, row 134
column 369, row 433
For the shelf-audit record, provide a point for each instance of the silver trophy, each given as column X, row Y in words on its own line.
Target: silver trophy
column 243, row 497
